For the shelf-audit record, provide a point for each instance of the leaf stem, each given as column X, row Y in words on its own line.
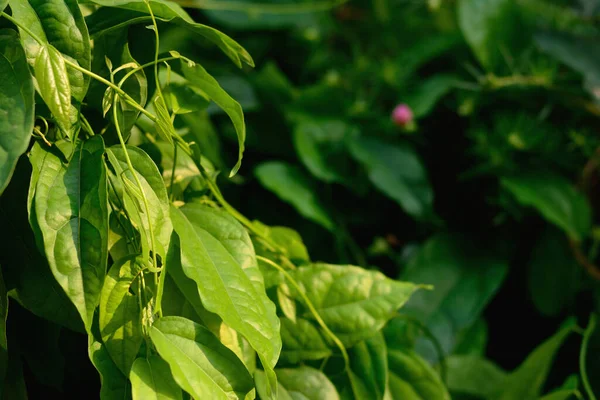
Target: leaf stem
column 173, row 171
column 583, row 355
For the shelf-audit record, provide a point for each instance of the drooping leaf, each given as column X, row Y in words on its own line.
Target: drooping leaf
column 488, row 27
column 203, row 81
column 115, row 386
column 475, row 376
column 151, row 379
column 153, row 190
column 465, row 276
column 302, row 341
column 473, row 340
column 294, row 187
column 120, row 321
column 353, row 302
column 369, row 367
column 412, row 378
column 105, row 19
column 396, row 171
column 555, row 199
column 321, row 147
column 16, row 103
column 71, row 206
column 226, row 289
column 200, row 364
column 51, row 75
column 553, row 266
column 60, row 24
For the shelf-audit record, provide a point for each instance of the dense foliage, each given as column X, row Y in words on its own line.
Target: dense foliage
column 414, row 218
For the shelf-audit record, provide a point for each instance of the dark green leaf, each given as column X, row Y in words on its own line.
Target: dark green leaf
column 424, row 98
column 555, row 198
column 151, row 379
column 200, row 364
column 294, row 187
column 321, row 147
column 397, row 171
column 553, row 266
column 226, row 288
column 71, row 207
column 475, row 376
column 354, row 303
column 412, row 378
column 202, row 80
column 527, row 381
column 16, row 103
column 120, row 322
column 105, row 19
column 488, row 27
column 369, row 366
column 60, row 24
column 465, row 277
column 115, row 385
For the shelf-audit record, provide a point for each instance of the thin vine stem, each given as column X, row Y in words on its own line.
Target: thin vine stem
column 583, row 355
column 311, row 308
column 173, row 171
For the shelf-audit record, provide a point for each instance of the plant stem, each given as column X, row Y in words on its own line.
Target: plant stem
column 312, row 309
column 173, row 171
column 583, row 355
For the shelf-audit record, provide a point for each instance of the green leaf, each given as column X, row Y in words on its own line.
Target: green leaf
column 354, row 303
column 475, row 376
column 424, row 98
column 527, row 381
column 202, row 80
column 473, row 340
column 3, row 4
column 555, row 199
column 26, row 272
column 291, row 185
column 71, row 206
column 120, row 323
column 302, row 341
column 60, row 24
column 227, row 290
column 16, row 103
column 462, row 287
column 115, row 385
column 369, row 366
column 488, row 27
column 288, row 241
column 578, row 52
column 321, row 148
column 51, row 75
column 553, row 266
column 151, row 379
column 164, row 125
column 302, row 383
column 154, row 190
column 412, row 378
column 200, row 364
column 397, row 171
column 105, row 19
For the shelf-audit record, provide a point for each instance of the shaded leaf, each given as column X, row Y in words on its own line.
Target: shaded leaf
column 424, row 98
column 71, row 207
column 397, row 172
column 151, row 379
column 115, row 386
column 555, row 198
column 291, row 185
column 16, row 103
column 302, row 341
column 475, row 376
column 302, row 383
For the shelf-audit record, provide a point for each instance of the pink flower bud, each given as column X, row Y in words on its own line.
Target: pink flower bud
column 402, row 115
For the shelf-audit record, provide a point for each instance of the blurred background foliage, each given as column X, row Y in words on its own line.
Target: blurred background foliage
column 488, row 193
